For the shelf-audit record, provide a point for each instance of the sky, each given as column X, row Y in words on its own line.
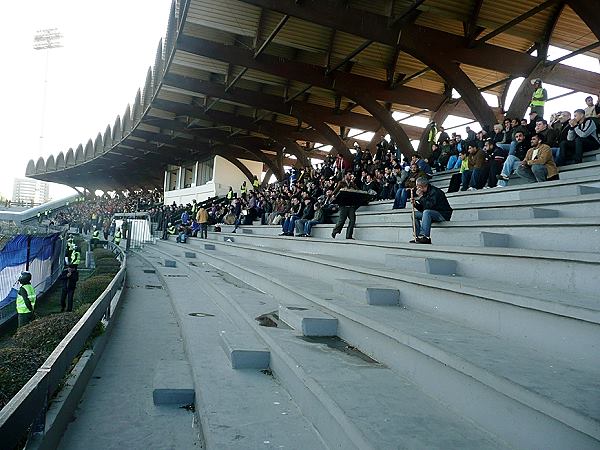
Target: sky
column 107, row 48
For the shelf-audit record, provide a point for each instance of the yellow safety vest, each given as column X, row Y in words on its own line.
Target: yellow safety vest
column 96, row 234
column 539, row 92
column 256, row 184
column 229, row 195
column 75, row 258
column 117, row 237
column 21, row 306
column 242, row 189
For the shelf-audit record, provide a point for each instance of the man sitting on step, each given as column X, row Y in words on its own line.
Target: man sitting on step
column 538, row 164
column 513, row 160
column 432, row 206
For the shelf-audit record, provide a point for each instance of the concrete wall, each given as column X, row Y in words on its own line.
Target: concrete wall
column 225, row 174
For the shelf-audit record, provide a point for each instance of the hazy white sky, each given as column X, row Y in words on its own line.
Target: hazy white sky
column 108, row 47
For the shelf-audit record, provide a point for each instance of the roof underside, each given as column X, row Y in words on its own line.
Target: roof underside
column 267, row 79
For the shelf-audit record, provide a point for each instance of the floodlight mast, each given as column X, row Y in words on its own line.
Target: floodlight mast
column 46, row 39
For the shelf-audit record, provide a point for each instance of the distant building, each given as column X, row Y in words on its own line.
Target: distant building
column 26, row 190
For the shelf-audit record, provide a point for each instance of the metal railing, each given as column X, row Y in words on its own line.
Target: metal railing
column 139, row 228
column 29, row 405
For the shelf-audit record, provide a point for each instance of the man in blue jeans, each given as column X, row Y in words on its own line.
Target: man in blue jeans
column 432, row 206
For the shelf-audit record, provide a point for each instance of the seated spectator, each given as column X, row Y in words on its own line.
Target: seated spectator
column 318, row 217
column 371, row 186
column 513, row 160
column 446, row 152
column 538, row 164
column 473, row 178
column 403, row 193
column 307, row 215
column 550, row 136
column 290, row 218
column 432, row 206
column 496, row 157
column 582, row 136
column 388, row 184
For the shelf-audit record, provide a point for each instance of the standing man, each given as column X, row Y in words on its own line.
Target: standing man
column 25, row 301
column 202, row 219
column 117, row 237
column 346, row 212
column 538, row 98
column 69, row 277
column 432, row 206
column 95, row 238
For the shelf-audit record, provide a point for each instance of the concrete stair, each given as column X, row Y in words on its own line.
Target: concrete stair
column 454, row 347
column 486, row 339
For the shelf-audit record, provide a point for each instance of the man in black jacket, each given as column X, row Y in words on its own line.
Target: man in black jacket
column 432, row 206
column 69, row 277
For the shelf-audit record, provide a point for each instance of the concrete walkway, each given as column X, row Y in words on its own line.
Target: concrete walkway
column 117, row 410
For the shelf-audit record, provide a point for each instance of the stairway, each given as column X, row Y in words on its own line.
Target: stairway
column 487, row 339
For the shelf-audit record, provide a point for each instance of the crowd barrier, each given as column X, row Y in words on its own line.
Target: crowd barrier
column 25, row 412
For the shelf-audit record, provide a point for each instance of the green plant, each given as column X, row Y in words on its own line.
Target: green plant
column 45, row 333
column 106, row 270
column 90, row 289
column 100, row 253
column 17, row 366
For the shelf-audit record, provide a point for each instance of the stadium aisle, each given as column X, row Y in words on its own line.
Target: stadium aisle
column 116, row 410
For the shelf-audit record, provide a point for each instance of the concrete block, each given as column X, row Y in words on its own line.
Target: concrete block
column 433, row 266
column 170, row 263
column 173, row 383
column 543, row 213
column 190, row 255
column 244, row 350
column 247, row 231
column 309, row 322
column 488, row 239
column 382, row 296
column 583, row 190
column 228, row 239
column 209, row 247
column 516, row 213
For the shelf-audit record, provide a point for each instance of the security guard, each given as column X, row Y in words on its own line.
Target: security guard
column 243, row 189
column 117, row 237
column 539, row 98
column 39, row 217
column 171, row 229
column 255, row 183
column 75, row 258
column 25, row 299
column 95, row 238
column 230, row 193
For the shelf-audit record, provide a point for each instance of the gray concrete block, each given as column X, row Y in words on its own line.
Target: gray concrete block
column 433, row 266
column 382, row 296
column 309, row 322
column 247, row 231
column 170, row 263
column 244, row 350
column 543, row 213
column 190, row 255
column 173, row 383
column 209, row 247
column 488, row 239
column 583, row 190
column 228, row 239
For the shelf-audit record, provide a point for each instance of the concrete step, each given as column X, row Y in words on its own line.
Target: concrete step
column 493, row 307
column 229, row 403
column 445, row 358
column 308, row 322
column 586, row 205
column 353, row 401
column 244, row 350
column 534, row 191
column 534, row 234
column 173, row 383
column 569, row 272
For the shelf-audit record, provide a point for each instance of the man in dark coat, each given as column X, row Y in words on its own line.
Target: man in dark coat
column 69, row 278
column 432, row 206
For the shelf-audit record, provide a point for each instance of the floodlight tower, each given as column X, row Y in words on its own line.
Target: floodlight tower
column 47, row 40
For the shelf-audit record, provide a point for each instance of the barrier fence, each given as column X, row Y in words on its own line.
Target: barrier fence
column 138, row 228
column 30, row 403
column 40, row 254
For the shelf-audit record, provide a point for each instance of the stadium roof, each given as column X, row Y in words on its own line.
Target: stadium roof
column 267, row 79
